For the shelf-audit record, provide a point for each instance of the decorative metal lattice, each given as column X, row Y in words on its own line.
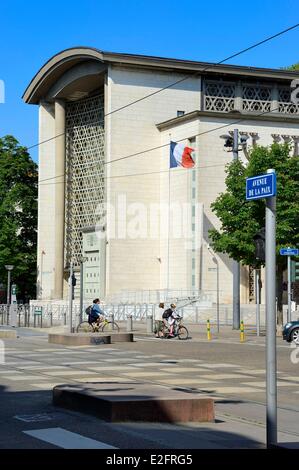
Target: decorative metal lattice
column 251, row 284
column 256, row 98
column 219, row 96
column 284, row 102
column 84, row 170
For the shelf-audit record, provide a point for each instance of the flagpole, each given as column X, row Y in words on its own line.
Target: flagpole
column 168, row 244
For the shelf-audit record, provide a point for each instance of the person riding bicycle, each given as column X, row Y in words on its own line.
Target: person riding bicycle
column 168, row 317
column 96, row 313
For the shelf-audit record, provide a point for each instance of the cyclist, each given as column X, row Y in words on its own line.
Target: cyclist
column 96, row 313
column 169, row 316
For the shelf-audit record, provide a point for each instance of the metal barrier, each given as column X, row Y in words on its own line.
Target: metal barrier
column 50, row 314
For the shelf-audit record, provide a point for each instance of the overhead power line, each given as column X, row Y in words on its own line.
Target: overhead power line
column 242, row 119
column 209, row 67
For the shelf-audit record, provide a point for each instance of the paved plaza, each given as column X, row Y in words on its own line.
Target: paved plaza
column 234, row 376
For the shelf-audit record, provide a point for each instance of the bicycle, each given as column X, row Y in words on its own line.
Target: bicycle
column 94, row 327
column 179, row 330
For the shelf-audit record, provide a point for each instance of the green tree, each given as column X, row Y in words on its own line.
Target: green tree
column 18, row 216
column 293, row 67
column 240, row 220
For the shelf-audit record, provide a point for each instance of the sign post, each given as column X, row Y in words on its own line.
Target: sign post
column 71, row 298
column 259, row 187
column 257, row 300
column 289, row 252
column 13, row 306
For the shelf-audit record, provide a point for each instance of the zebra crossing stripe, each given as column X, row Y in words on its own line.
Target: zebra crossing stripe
column 67, row 440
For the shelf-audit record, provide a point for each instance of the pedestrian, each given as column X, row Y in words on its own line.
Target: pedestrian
column 159, row 323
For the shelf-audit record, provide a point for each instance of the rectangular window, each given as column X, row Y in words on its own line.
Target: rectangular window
column 193, row 263
column 180, row 113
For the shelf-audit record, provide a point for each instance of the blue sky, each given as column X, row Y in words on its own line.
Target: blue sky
column 33, row 31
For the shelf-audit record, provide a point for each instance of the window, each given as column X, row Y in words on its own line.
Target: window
column 180, row 113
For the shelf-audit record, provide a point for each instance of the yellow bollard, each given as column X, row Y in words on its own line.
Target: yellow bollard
column 242, row 334
column 208, row 330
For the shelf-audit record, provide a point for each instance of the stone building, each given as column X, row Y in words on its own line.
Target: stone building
column 104, row 132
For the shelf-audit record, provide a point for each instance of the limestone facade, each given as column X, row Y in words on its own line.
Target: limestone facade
column 136, row 251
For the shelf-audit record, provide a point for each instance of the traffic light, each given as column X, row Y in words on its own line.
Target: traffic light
column 260, row 244
column 294, row 271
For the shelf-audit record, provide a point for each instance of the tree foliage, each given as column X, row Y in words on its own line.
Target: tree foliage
column 240, row 220
column 18, row 215
column 293, row 67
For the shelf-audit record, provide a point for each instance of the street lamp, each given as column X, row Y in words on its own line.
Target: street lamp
column 233, row 142
column 9, row 268
column 82, row 260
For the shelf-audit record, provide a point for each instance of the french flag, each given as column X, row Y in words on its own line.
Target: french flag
column 181, row 156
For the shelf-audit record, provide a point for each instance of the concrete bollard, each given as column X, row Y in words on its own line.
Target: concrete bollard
column 208, row 330
column 149, row 324
column 110, row 317
column 242, row 332
column 129, row 322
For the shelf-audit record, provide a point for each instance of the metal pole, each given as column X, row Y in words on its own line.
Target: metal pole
column 71, row 298
column 271, row 385
column 257, row 299
column 168, row 241
column 81, row 292
column 8, row 288
column 218, row 326
column 289, row 290
column 236, row 264
column 149, row 324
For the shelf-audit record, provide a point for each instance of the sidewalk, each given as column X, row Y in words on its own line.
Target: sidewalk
column 197, row 332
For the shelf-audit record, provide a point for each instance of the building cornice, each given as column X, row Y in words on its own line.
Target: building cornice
column 55, row 67
column 235, row 117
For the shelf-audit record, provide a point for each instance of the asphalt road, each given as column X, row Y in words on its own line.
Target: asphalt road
column 231, row 372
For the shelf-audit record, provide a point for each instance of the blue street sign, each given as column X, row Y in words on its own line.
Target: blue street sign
column 261, row 186
column 289, row 251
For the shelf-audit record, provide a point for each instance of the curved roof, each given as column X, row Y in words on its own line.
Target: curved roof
column 60, row 63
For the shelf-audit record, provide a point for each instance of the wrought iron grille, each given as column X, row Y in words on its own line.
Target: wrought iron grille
column 84, row 170
column 284, row 102
column 256, row 98
column 219, row 96
column 251, row 284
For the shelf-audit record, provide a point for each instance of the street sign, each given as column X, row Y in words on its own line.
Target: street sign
column 289, row 251
column 13, row 294
column 261, row 186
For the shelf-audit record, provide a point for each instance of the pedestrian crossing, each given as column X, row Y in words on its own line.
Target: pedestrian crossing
column 44, row 368
column 67, row 440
